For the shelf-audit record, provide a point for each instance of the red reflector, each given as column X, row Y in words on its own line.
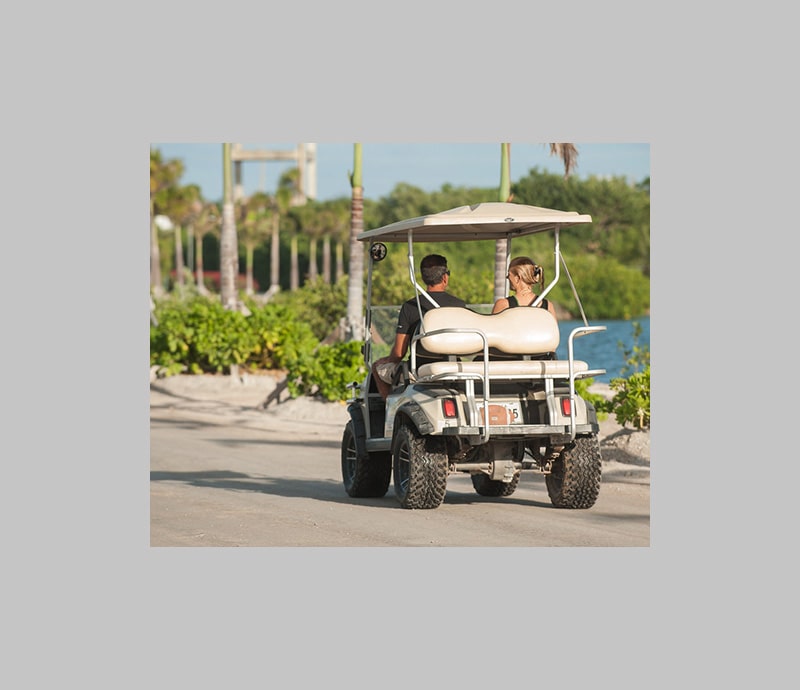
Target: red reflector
column 449, row 407
column 566, row 406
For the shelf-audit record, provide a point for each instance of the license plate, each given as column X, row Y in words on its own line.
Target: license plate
column 503, row 415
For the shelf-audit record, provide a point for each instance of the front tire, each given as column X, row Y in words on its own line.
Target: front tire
column 420, row 468
column 574, row 480
column 365, row 475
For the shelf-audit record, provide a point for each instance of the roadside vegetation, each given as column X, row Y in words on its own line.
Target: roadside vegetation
column 630, row 403
column 295, row 333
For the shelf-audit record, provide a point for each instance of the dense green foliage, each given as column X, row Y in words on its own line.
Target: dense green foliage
column 317, row 304
column 199, row 335
column 328, row 372
column 631, row 402
column 607, row 289
column 196, row 335
column 609, row 259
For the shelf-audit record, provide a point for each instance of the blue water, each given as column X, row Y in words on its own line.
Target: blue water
column 601, row 350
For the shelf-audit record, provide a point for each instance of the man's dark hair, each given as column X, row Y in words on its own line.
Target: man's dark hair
column 433, row 267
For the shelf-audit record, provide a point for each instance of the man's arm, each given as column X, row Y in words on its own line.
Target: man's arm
column 400, row 347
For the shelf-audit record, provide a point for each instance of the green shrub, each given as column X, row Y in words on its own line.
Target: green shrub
column 280, row 337
column 631, row 402
column 197, row 334
column 638, row 357
column 592, row 275
column 327, row 371
column 170, row 338
column 317, row 303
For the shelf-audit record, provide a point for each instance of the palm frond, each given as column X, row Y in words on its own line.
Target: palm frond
column 568, row 153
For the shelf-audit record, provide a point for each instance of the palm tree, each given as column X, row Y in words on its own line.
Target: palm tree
column 208, row 221
column 342, row 239
column 256, row 217
column 568, row 153
column 321, row 221
column 164, row 176
column 229, row 248
column 314, row 231
column 354, row 326
column 289, row 194
column 326, row 258
column 500, row 247
column 183, row 210
column 337, row 227
column 309, row 219
column 569, row 156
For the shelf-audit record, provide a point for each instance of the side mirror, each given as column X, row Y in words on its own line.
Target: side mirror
column 378, row 251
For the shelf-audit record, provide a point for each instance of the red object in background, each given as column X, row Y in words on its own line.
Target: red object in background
column 211, row 279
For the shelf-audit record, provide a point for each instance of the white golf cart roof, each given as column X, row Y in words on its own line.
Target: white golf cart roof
column 489, row 220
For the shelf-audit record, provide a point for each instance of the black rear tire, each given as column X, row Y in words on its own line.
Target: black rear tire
column 420, row 468
column 365, row 475
column 574, row 481
column 494, row 487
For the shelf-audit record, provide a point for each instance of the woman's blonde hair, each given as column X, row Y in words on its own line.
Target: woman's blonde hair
column 526, row 269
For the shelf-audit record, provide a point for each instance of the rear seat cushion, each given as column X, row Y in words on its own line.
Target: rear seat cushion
column 555, row 368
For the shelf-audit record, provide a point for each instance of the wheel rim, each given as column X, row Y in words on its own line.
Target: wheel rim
column 350, row 460
column 403, row 468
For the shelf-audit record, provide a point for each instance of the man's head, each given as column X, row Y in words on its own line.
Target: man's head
column 434, row 269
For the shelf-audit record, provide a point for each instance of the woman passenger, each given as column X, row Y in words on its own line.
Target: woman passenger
column 523, row 274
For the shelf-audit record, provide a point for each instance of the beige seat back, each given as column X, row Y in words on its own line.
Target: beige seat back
column 516, row 331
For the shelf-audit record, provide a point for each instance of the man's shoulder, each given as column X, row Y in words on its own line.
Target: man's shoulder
column 449, row 300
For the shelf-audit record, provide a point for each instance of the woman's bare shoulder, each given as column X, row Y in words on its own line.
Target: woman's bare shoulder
column 500, row 305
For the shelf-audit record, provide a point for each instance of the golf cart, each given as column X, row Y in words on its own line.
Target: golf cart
column 496, row 404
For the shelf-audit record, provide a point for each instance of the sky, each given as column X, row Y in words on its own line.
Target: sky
column 424, row 165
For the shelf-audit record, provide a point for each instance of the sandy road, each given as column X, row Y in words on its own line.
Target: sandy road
column 225, row 473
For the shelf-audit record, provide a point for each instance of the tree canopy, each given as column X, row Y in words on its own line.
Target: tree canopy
column 608, row 259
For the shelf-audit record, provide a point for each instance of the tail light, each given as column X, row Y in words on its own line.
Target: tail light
column 449, row 408
column 566, row 407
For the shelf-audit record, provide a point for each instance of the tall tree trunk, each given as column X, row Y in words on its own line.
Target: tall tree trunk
column 178, row 255
column 294, row 278
column 249, row 249
column 312, row 255
column 354, row 328
column 229, row 252
column 326, row 259
column 500, row 257
column 201, row 279
column 190, row 248
column 155, row 258
column 275, row 256
column 339, row 260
